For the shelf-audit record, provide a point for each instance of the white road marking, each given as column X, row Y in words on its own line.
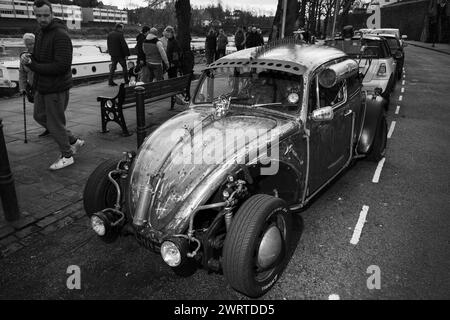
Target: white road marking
column 391, row 130
column 403, row 90
column 376, row 176
column 334, row 297
column 404, row 75
column 359, row 225
column 397, row 110
column 400, row 98
column 403, row 82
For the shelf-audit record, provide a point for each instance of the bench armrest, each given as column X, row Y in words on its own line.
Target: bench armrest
column 100, row 98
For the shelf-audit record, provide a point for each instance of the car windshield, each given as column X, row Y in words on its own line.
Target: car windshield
column 355, row 48
column 259, row 87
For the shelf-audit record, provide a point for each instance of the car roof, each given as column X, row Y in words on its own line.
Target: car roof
column 289, row 57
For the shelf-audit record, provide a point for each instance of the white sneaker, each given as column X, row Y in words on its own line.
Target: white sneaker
column 76, row 146
column 62, row 163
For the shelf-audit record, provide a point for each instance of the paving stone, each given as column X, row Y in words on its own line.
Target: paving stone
column 64, row 222
column 11, row 249
column 63, row 213
column 50, row 229
column 42, row 214
column 46, row 221
column 6, row 230
column 27, row 231
column 78, row 214
column 23, row 222
column 67, row 192
column 32, row 238
column 7, row 241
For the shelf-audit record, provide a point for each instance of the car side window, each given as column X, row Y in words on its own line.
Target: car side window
column 334, row 96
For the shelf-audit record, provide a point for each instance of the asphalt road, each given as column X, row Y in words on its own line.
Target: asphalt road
column 406, row 235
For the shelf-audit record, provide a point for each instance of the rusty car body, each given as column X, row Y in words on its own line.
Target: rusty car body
column 297, row 108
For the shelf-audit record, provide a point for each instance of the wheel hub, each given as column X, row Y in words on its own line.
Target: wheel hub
column 270, row 247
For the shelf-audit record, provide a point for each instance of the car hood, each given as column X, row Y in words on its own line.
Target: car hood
column 183, row 163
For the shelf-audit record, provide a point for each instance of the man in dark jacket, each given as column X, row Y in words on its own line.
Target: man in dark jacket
column 139, row 41
column 119, row 51
column 253, row 39
column 210, row 46
column 173, row 53
column 51, row 63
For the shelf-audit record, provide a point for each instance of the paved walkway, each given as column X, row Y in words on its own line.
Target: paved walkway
column 439, row 47
column 49, row 200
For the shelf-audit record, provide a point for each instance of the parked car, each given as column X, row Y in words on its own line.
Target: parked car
column 393, row 31
column 286, row 120
column 397, row 52
column 376, row 63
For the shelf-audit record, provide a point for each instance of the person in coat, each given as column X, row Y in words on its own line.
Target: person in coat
column 210, row 46
column 173, row 53
column 155, row 56
column 222, row 42
column 51, row 63
column 119, row 51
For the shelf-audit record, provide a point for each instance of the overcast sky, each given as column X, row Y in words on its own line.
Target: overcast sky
column 265, row 5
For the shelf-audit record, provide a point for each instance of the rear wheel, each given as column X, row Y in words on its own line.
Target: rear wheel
column 378, row 150
column 256, row 247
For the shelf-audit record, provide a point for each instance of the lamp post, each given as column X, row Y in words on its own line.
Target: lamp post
column 7, row 189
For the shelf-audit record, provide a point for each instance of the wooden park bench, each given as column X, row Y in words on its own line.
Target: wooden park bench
column 111, row 107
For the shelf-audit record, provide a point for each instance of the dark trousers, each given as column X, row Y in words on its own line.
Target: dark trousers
column 172, row 72
column 112, row 70
column 220, row 53
column 154, row 71
column 49, row 112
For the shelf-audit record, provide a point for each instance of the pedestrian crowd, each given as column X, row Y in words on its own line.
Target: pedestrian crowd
column 216, row 42
column 156, row 56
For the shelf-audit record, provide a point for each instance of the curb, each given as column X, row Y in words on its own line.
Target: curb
column 430, row 48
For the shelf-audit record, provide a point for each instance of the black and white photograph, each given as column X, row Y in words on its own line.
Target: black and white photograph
column 225, row 157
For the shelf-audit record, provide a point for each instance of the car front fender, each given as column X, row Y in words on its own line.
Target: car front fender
column 375, row 107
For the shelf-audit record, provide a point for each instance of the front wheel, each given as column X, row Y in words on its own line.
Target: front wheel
column 256, row 247
column 378, row 150
column 99, row 192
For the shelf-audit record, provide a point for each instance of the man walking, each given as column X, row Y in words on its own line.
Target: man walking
column 51, row 63
column 119, row 51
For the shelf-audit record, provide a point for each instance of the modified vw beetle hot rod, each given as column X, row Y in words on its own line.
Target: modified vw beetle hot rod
column 297, row 117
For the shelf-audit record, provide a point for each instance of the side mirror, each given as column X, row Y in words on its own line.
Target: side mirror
column 323, row 114
column 398, row 54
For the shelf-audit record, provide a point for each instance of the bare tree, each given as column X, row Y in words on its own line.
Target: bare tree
column 291, row 17
column 154, row 3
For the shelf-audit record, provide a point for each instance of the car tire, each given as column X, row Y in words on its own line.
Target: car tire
column 260, row 219
column 99, row 192
column 378, row 150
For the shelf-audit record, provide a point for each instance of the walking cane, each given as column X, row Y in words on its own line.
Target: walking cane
column 24, row 119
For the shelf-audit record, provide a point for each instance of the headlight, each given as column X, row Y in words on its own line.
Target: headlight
column 170, row 253
column 98, row 225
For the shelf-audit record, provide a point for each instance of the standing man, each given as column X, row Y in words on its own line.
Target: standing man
column 119, row 51
column 222, row 42
column 210, row 46
column 155, row 56
column 51, row 63
column 173, row 53
column 140, row 52
column 239, row 39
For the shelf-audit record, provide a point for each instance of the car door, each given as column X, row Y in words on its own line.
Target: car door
column 330, row 140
